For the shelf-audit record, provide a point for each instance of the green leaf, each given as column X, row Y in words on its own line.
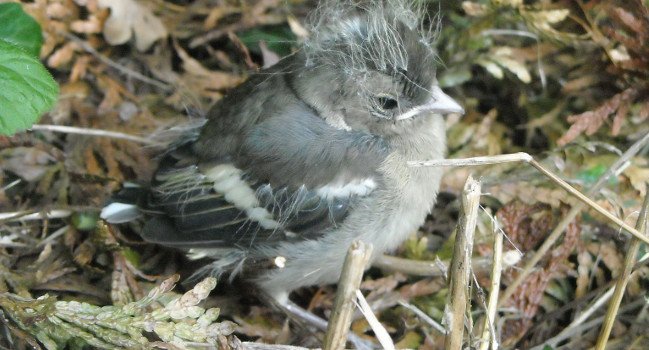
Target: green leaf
column 132, row 256
column 27, row 89
column 278, row 38
column 19, row 28
column 85, row 220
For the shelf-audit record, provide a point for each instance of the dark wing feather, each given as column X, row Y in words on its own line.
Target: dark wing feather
column 196, row 215
column 258, row 177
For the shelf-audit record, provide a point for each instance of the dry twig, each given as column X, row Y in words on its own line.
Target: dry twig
column 459, row 296
column 350, row 279
column 623, row 279
column 488, row 327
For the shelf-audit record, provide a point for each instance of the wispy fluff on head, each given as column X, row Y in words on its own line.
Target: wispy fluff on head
column 360, row 36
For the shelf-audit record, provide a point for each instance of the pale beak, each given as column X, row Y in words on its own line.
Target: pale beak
column 439, row 103
column 442, row 103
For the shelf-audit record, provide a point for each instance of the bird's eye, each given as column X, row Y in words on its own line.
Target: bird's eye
column 387, row 103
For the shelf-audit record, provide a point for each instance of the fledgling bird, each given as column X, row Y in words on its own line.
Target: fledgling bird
column 309, row 155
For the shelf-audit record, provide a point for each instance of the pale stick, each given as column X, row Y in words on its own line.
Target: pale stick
column 94, row 132
column 574, row 211
column 623, row 278
column 488, row 327
column 27, row 216
column 380, row 332
column 526, row 158
column 460, row 271
column 358, row 256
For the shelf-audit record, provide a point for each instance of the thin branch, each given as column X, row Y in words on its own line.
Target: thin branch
column 350, row 279
column 524, row 157
column 570, row 216
column 94, row 132
column 583, row 327
column 29, row 215
column 379, row 331
column 437, row 268
column 473, row 161
column 488, row 328
column 623, row 279
column 438, row 327
column 589, row 202
column 261, row 346
column 127, row 71
column 460, row 272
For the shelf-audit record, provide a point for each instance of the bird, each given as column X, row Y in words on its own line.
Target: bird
column 309, row 155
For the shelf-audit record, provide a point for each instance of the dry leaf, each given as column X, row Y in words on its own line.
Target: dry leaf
column 505, row 57
column 58, row 10
column 206, row 82
column 608, row 253
column 297, row 28
column 474, row 9
column 492, row 67
column 90, row 26
column 63, row 55
column 591, row 121
column 216, row 14
column 584, row 266
column 129, row 18
column 638, row 176
column 28, row 163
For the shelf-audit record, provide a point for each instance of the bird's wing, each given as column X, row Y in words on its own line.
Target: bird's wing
column 292, row 177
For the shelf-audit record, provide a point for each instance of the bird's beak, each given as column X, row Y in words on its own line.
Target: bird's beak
column 439, row 103
column 442, row 103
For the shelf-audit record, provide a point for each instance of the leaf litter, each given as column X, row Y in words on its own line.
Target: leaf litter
column 566, row 83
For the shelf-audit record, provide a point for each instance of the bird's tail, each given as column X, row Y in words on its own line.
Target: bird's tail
column 123, row 206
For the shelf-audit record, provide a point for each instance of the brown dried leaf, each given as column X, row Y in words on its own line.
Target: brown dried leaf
column 620, row 115
column 125, row 287
column 591, row 121
column 580, row 83
column 259, row 324
column 528, row 297
column 84, row 253
column 203, row 81
column 610, row 256
column 243, row 49
column 422, row 287
column 525, row 225
column 112, row 94
column 384, row 284
column 63, row 55
column 628, row 20
column 638, row 176
column 30, row 163
column 638, row 65
column 644, row 111
column 216, row 14
column 79, row 68
column 77, row 284
column 92, row 25
column 57, row 10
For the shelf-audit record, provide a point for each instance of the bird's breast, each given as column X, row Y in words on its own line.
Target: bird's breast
column 409, row 192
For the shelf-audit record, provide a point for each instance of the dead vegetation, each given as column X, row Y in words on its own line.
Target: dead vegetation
column 566, row 81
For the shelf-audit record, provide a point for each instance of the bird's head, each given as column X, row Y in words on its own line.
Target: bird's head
column 372, row 68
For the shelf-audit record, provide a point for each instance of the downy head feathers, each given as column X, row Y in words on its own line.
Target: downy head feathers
column 371, row 35
column 363, row 38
